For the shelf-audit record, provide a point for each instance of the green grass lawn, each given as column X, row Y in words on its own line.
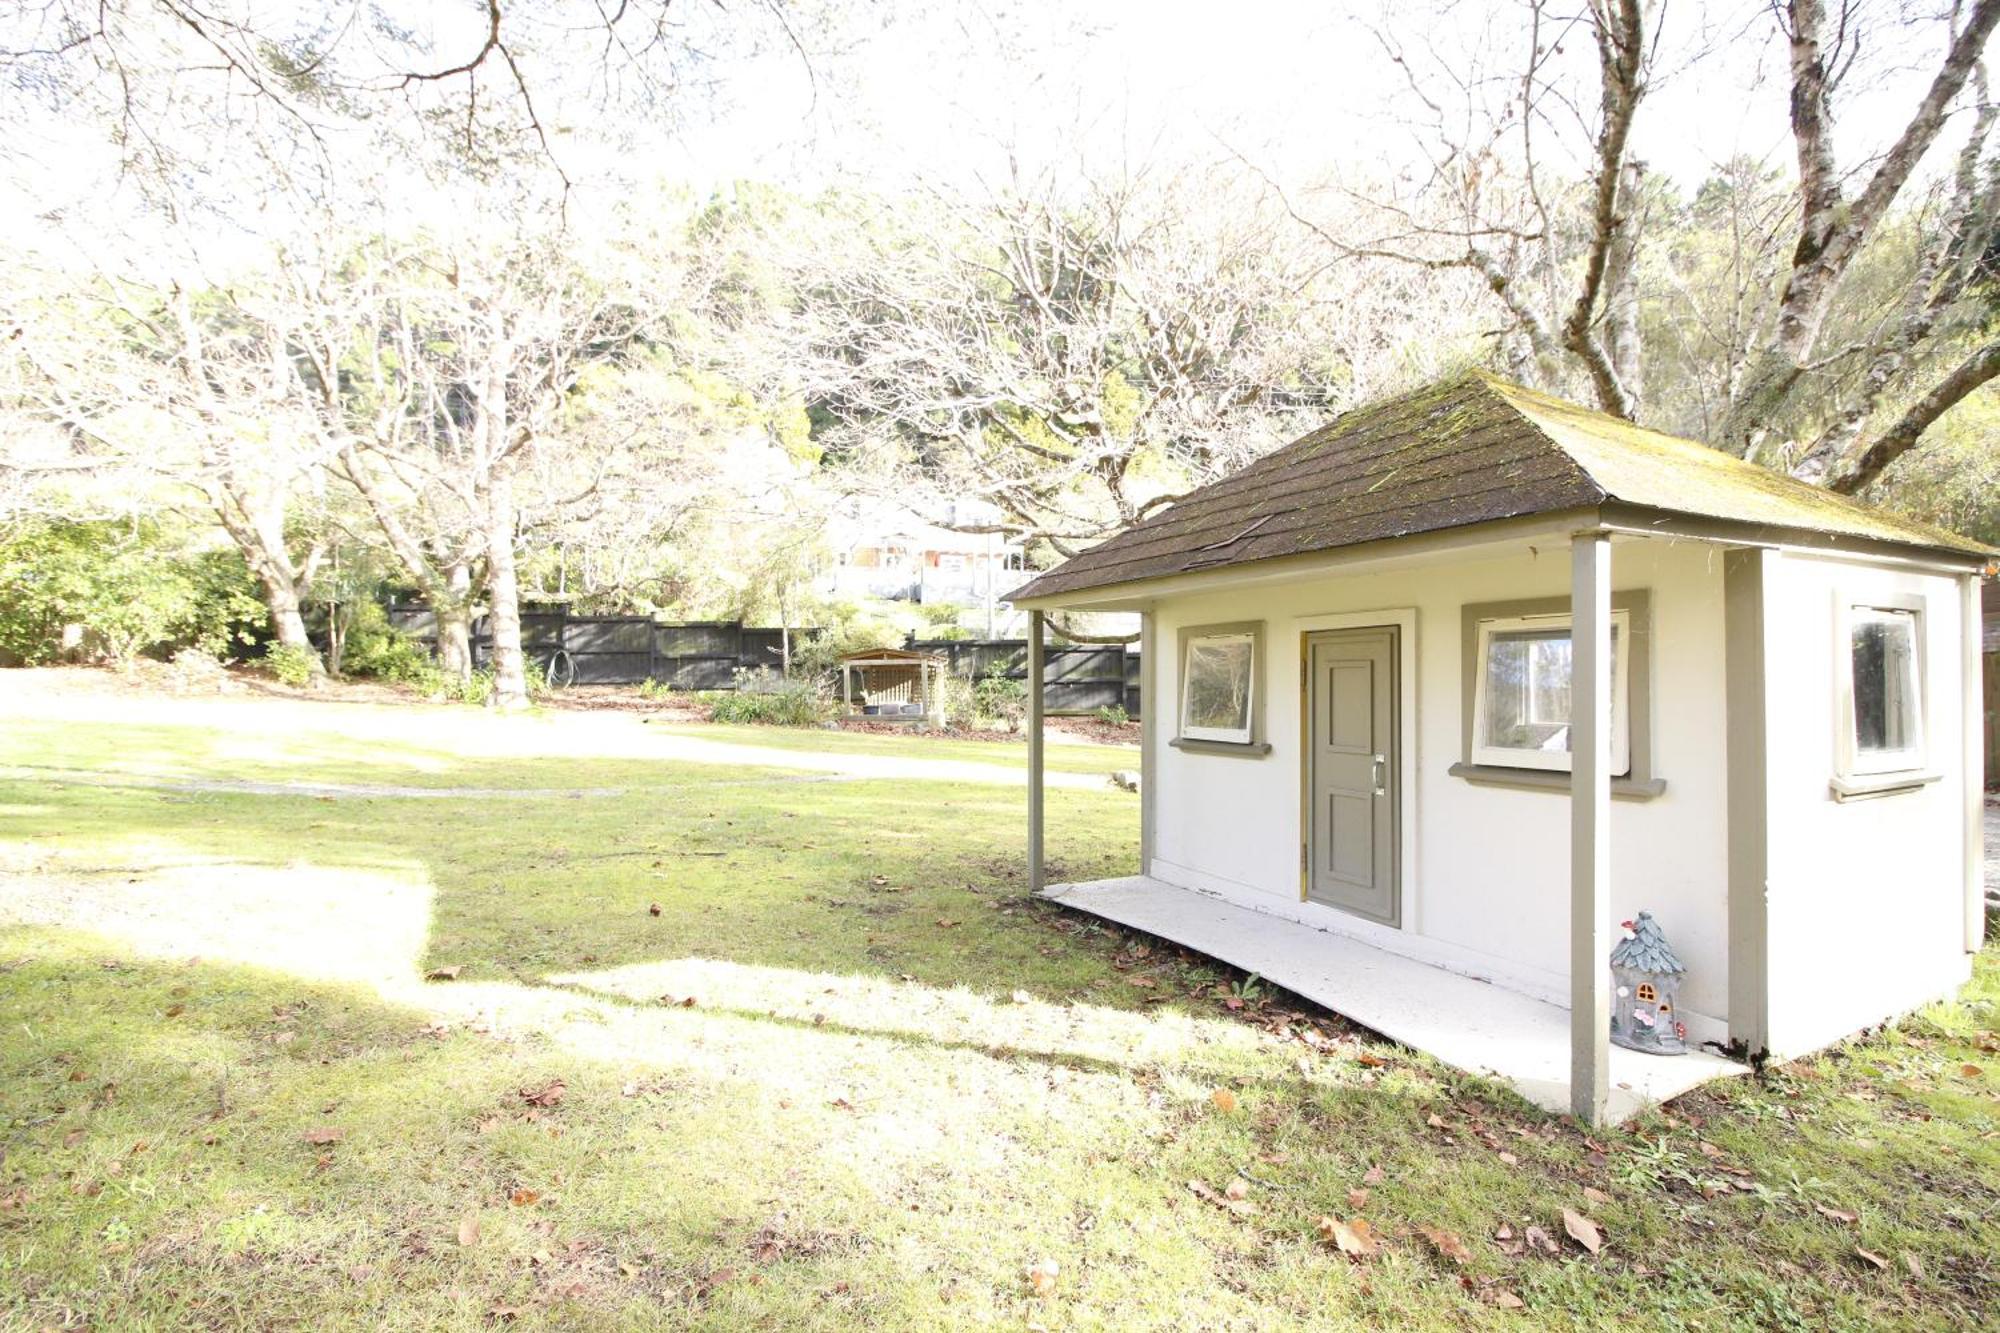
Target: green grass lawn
column 540, row 750
column 741, row 1048
column 1063, row 756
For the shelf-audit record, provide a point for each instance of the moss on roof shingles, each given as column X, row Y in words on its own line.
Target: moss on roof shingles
column 1468, row 450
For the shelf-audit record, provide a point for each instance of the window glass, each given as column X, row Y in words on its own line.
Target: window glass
column 1219, row 681
column 1884, row 648
column 1524, row 692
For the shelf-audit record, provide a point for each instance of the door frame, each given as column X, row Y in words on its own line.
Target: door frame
column 1409, row 901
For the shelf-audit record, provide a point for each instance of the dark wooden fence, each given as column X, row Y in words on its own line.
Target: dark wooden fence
column 706, row 654
column 1076, row 678
column 625, row 650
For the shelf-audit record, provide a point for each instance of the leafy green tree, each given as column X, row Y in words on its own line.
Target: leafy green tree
column 112, row 590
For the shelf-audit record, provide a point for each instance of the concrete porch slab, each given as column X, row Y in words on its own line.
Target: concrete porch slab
column 1473, row 1025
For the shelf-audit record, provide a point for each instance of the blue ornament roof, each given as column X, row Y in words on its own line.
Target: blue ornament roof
column 1647, row 950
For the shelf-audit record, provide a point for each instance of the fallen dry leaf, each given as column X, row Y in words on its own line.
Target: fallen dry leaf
column 1841, row 1215
column 1970, row 1071
column 654, row 910
column 505, row 1314
column 1236, row 1189
column 1874, row 1259
column 521, row 1198
column 1239, row 1206
column 324, row 1134
column 1448, row 1245
column 1583, row 1230
column 1373, row 1176
column 1596, row 1196
column 1355, row 1239
column 1911, row 1262
column 1502, row 1298
column 1042, row 1277
column 71, row 1139
column 1509, row 1159
column 1357, row 1199
column 1369, row 1060
column 444, row 973
column 1021, row 997
column 1224, row 1099
column 549, row 1094
column 1435, row 1121
column 468, row 1229
column 1541, row 1240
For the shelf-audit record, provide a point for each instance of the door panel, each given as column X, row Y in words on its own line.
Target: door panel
column 1352, row 767
column 1350, row 711
column 1351, row 823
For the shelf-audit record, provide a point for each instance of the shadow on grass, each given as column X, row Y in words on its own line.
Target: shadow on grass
column 189, row 1139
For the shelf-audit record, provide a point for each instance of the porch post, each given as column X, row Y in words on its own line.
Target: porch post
column 1750, row 594
column 1148, row 753
column 1035, row 668
column 1590, row 826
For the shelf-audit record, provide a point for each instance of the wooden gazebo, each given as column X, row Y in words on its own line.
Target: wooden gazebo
column 892, row 685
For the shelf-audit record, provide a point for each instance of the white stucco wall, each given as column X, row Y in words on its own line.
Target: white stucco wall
column 1487, row 889
column 1867, row 897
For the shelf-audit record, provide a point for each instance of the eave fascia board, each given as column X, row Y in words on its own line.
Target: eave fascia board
column 1554, row 526
column 1642, row 521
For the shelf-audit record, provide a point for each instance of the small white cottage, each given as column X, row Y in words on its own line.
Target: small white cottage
column 1440, row 693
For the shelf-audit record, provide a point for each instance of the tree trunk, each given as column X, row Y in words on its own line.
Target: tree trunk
column 454, row 640
column 503, row 591
column 451, row 608
column 1978, row 368
column 1621, row 288
column 255, row 522
column 287, row 621
column 1832, row 228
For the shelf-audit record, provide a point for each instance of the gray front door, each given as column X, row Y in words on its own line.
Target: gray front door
column 1352, row 762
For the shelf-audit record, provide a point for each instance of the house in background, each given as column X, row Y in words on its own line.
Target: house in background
column 888, row 552
column 1452, row 685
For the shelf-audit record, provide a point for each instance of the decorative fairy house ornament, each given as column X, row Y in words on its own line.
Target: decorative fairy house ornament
column 1646, row 983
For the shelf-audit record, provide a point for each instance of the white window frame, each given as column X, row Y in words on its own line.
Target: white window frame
column 1500, row 756
column 1245, row 734
column 1854, row 761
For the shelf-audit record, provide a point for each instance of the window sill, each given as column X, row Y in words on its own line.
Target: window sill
column 1553, row 779
column 1865, row 786
column 1242, row 749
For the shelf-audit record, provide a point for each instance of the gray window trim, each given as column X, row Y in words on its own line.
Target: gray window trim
column 1639, row 782
column 1256, row 747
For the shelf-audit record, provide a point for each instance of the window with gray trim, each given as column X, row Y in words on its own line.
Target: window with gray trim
column 1880, row 655
column 1221, row 705
column 1515, row 694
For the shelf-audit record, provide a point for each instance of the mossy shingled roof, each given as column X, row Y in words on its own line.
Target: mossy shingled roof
column 1468, row 450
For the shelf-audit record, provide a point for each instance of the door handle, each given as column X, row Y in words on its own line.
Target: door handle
column 1378, row 773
